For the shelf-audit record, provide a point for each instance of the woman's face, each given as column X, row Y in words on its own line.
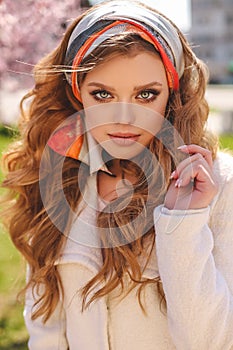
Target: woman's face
column 125, row 99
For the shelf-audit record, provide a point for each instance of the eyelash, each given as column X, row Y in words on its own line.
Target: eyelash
column 155, row 94
column 96, row 92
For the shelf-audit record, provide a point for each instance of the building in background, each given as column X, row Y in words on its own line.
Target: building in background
column 211, row 35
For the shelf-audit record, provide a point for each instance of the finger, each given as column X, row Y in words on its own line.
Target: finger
column 192, row 149
column 188, row 162
column 195, row 173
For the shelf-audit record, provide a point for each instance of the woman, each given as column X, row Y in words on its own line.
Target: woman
column 123, row 210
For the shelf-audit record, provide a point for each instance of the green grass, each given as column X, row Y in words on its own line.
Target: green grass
column 13, row 334
column 226, row 141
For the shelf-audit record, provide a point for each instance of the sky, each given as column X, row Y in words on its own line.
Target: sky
column 179, row 11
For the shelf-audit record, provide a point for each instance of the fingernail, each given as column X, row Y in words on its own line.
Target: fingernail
column 172, row 175
column 178, row 183
column 182, row 147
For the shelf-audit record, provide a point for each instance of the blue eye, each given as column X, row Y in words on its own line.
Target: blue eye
column 101, row 95
column 148, row 95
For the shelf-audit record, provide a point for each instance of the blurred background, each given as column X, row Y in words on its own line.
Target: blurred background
column 29, row 29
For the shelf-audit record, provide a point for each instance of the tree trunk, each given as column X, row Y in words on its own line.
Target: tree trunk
column 85, row 4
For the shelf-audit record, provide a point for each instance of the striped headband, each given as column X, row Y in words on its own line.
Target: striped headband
column 116, row 17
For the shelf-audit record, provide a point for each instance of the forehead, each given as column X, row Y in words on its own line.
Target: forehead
column 140, row 67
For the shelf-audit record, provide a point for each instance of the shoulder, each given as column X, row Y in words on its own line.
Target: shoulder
column 223, row 167
column 76, row 253
column 222, row 205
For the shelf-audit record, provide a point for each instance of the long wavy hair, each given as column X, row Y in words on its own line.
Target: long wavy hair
column 32, row 231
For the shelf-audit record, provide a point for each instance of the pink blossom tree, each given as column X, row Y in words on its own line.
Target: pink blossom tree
column 29, row 30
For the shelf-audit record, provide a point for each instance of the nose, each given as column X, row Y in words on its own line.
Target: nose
column 124, row 113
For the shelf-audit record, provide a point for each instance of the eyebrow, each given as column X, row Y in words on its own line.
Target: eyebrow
column 153, row 83
column 136, row 88
column 93, row 83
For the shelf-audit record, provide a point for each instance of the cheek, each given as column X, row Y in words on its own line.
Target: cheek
column 161, row 101
column 86, row 101
column 147, row 138
column 98, row 133
column 151, row 123
column 163, row 104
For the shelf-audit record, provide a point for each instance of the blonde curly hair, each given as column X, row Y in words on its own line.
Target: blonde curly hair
column 51, row 101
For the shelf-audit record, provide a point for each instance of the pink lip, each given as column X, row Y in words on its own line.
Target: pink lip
column 124, row 139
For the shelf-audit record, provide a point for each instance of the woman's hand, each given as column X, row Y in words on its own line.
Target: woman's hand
column 193, row 185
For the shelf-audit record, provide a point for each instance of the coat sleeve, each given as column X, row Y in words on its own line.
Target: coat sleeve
column 195, row 260
column 50, row 335
column 88, row 329
column 69, row 327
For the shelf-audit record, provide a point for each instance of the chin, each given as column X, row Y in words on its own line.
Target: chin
column 125, row 152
